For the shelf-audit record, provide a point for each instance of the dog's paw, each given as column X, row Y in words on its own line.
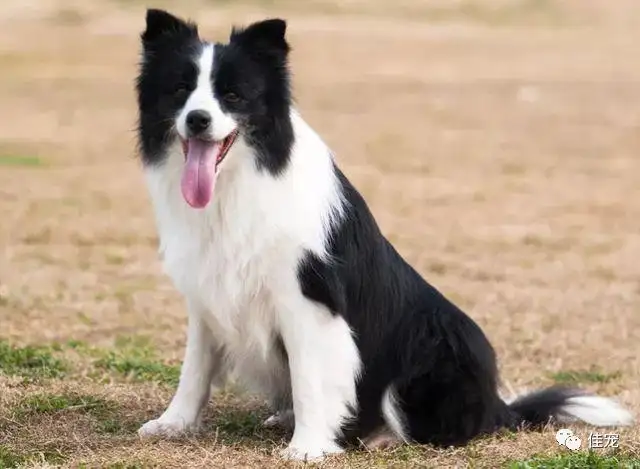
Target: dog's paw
column 166, row 428
column 309, row 452
column 282, row 419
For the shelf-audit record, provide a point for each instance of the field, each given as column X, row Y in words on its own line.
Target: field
column 496, row 141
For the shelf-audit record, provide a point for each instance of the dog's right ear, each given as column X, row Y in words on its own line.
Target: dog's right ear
column 162, row 24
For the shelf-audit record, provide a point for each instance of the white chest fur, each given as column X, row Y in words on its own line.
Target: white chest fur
column 231, row 258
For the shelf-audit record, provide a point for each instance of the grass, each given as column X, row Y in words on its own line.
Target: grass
column 240, row 424
column 244, row 424
column 137, row 361
column 30, row 362
column 104, row 413
column 578, row 460
column 118, row 465
column 10, row 458
column 132, row 358
column 140, row 368
column 16, row 160
column 575, row 377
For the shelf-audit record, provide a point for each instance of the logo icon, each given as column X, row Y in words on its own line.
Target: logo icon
column 565, row 437
column 573, row 443
column 562, row 435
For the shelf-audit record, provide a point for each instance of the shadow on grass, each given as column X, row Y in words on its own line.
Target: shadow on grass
column 234, row 421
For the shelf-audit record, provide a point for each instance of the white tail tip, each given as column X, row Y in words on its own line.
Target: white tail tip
column 596, row 410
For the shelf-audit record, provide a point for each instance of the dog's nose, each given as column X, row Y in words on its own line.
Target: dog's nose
column 198, row 121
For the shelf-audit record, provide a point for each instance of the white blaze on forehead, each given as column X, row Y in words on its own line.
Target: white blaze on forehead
column 202, row 98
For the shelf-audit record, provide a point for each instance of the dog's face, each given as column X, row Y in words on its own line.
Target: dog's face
column 208, row 96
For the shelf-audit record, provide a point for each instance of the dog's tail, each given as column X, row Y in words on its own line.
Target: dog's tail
column 565, row 405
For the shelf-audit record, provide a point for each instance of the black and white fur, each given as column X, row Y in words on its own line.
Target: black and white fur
column 288, row 281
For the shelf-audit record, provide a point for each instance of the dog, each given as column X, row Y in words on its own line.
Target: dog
column 288, row 281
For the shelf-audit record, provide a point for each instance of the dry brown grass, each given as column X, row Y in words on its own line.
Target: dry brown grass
column 496, row 144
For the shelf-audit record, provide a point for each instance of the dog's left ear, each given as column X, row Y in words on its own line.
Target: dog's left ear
column 264, row 36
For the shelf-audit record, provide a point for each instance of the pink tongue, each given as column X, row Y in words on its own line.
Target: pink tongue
column 199, row 174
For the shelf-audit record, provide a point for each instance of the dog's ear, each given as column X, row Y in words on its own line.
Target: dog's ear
column 263, row 36
column 161, row 24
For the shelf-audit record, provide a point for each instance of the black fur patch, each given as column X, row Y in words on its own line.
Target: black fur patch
column 320, row 283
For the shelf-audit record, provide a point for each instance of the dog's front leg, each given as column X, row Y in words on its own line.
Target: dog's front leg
column 202, row 363
column 324, row 364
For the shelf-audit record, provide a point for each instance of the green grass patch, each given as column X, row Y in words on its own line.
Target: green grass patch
column 31, row 362
column 136, row 360
column 104, row 413
column 125, row 465
column 139, row 368
column 118, row 465
column 592, row 375
column 20, row 161
column 54, row 403
column 10, row 458
column 240, row 424
column 577, row 460
column 82, row 348
column 77, row 344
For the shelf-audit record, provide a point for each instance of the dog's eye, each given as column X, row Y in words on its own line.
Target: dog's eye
column 231, row 97
column 181, row 91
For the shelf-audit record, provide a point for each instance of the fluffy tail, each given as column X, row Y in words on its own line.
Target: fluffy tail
column 568, row 405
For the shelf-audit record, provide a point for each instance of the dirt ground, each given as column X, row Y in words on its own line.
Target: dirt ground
column 497, row 143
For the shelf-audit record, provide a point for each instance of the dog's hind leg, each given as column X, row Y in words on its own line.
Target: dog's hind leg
column 383, row 438
column 202, row 364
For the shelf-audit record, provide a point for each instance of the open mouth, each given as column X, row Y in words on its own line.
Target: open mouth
column 222, row 146
column 202, row 158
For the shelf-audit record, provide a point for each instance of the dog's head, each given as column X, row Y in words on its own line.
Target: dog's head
column 209, row 96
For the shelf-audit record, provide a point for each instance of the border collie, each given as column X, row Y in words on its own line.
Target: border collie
column 288, row 281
